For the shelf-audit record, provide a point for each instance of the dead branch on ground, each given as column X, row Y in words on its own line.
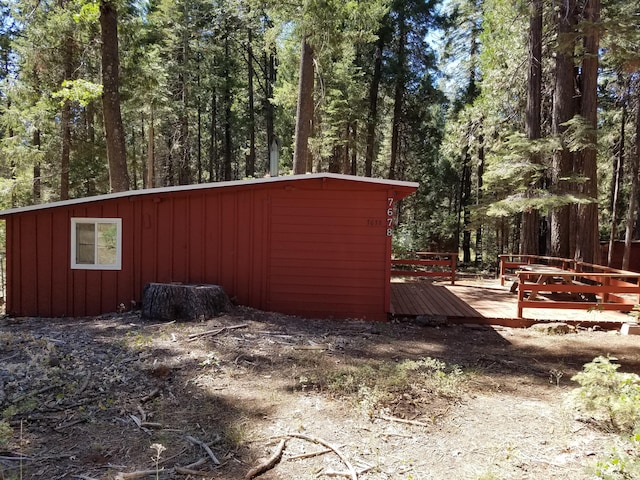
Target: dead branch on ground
column 217, row 331
column 205, row 446
column 352, row 471
column 309, row 455
column 269, row 463
column 402, row 420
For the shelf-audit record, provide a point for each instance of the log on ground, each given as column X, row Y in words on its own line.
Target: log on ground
column 176, row 301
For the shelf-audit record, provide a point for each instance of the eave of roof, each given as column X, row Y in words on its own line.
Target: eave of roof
column 412, row 186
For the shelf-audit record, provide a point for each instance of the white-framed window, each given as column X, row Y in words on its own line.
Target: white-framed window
column 96, row 243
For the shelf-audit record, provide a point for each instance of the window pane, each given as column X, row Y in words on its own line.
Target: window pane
column 85, row 243
column 107, row 244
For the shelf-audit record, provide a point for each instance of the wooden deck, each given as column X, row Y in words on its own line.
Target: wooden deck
column 484, row 302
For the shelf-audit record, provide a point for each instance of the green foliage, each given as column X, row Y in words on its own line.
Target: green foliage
column 376, row 387
column 609, row 398
column 80, row 91
column 6, row 432
column 622, row 463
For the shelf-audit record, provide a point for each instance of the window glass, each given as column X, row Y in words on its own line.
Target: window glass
column 107, row 248
column 85, row 243
column 96, row 243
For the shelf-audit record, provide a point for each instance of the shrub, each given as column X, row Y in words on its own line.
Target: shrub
column 622, row 463
column 376, row 387
column 5, row 433
column 610, row 398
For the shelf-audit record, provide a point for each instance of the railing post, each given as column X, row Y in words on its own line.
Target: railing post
column 502, row 262
column 454, row 262
column 521, row 278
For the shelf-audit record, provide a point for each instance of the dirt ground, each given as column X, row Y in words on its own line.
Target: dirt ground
column 88, row 398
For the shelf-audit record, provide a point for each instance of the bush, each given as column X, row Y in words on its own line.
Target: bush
column 610, row 398
column 5, row 433
column 622, row 463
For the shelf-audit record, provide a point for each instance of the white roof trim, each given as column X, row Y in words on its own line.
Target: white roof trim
column 204, row 186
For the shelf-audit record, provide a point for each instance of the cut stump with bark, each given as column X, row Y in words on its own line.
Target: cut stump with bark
column 177, row 301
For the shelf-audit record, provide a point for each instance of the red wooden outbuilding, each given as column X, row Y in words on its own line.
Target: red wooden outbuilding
column 312, row 245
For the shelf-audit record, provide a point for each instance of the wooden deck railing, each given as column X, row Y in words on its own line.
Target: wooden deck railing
column 581, row 285
column 427, row 264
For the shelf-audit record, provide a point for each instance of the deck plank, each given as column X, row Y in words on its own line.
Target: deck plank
column 486, row 301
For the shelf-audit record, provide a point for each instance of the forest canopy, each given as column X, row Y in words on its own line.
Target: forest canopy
column 519, row 119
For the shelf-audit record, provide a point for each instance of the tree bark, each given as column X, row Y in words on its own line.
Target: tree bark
column 633, row 194
column 398, row 96
column 530, row 232
column 616, row 181
column 372, row 118
column 37, row 170
column 114, row 132
column 304, row 111
column 563, row 111
column 65, row 122
column 269, row 61
column 250, row 165
column 587, row 234
column 149, row 183
column 170, row 301
column 227, row 116
column 214, row 170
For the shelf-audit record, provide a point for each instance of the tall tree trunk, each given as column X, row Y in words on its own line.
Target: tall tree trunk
column 184, row 158
column 199, row 126
column 65, row 122
column 563, row 111
column 587, row 234
column 616, row 181
column 149, row 183
column 372, row 117
column 398, row 95
column 354, row 151
column 530, row 232
column 480, row 173
column 227, row 116
column 304, row 111
column 269, row 81
column 250, row 166
column 465, row 199
column 37, row 178
column 214, row 168
column 632, row 213
column 114, row 132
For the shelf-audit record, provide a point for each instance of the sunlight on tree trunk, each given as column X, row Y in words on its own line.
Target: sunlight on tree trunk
column 587, row 234
column 116, row 150
column 304, row 111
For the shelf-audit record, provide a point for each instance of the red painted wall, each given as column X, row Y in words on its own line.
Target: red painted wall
column 310, row 245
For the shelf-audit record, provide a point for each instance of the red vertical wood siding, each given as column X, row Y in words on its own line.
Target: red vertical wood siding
column 306, row 246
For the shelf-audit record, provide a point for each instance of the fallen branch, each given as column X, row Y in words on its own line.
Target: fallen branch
column 84, row 385
column 196, row 464
column 15, row 459
column 309, row 455
column 153, row 393
column 334, row 473
column 269, row 463
column 137, row 421
column 84, row 477
column 402, row 420
column 352, row 471
column 217, row 331
column 137, row 474
column 188, row 471
column 61, row 427
column 205, row 446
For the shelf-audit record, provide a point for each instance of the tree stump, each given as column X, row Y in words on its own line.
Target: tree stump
column 177, row 301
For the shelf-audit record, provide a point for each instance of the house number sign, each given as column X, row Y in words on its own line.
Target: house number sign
column 389, row 216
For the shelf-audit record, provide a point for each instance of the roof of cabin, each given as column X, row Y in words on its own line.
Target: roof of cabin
column 214, row 185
